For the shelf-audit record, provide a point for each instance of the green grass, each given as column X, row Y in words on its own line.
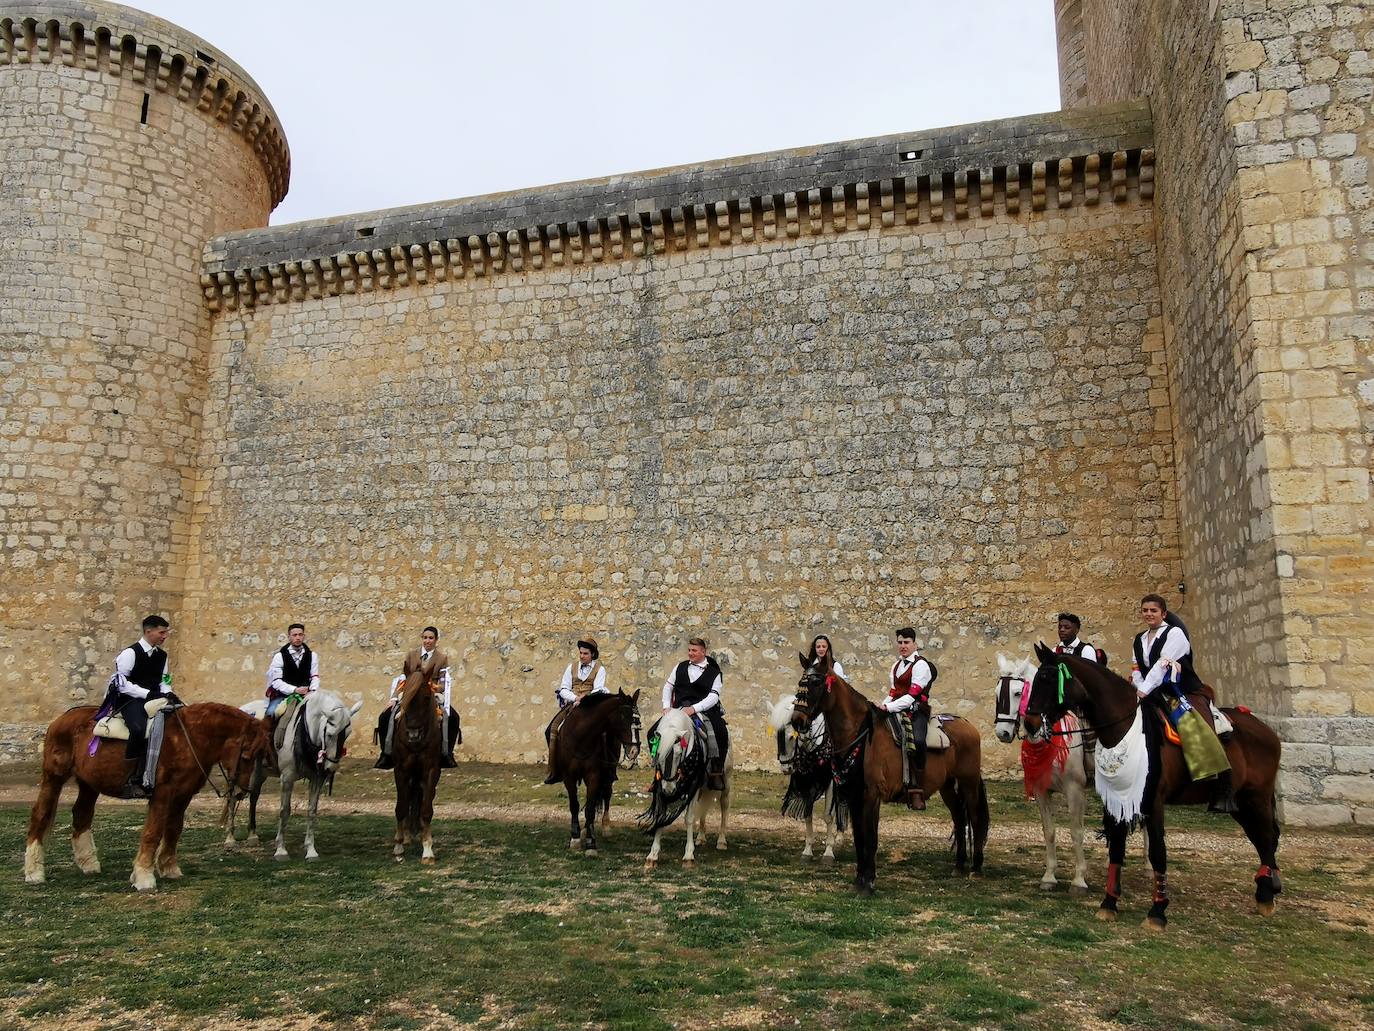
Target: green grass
column 510, row 929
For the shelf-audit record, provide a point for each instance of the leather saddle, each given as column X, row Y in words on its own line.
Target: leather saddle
column 114, row 727
column 936, row 738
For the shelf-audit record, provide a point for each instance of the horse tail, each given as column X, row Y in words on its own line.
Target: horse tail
column 983, row 817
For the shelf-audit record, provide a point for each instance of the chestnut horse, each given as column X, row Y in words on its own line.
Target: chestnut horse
column 868, row 768
column 587, row 749
column 417, row 750
column 1110, row 705
column 198, row 738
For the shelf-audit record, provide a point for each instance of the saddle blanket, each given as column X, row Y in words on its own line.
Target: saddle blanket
column 114, row 727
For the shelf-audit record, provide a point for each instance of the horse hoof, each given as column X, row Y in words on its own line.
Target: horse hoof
column 828, row 859
column 428, row 861
column 590, row 853
column 399, row 859
column 1048, row 885
column 864, row 891
column 1078, row 891
column 1264, row 908
column 975, row 875
column 312, row 858
column 575, row 844
column 650, row 864
column 252, row 841
column 35, row 877
column 721, row 846
column 808, row 856
column 1108, row 915
column 1153, row 923
column 689, row 862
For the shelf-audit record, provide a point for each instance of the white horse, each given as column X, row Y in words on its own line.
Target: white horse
column 1070, row 778
column 328, row 723
column 679, row 767
column 807, row 744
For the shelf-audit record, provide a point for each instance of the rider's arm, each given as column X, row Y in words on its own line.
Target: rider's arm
column 1175, row 647
column 898, row 704
column 1089, row 653
column 920, row 678
column 565, row 691
column 667, row 695
column 599, row 684
column 124, row 665
column 314, row 672
column 712, row 698
column 274, row 680
column 838, row 670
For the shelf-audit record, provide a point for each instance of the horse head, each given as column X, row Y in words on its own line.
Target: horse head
column 1053, row 691
column 780, row 723
column 677, row 738
column 416, row 713
column 813, row 691
column 1013, row 677
column 329, row 722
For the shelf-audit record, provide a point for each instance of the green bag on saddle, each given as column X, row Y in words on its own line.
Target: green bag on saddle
column 1202, row 749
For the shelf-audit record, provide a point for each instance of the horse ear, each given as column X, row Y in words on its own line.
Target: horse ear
column 355, row 709
column 635, row 697
column 1043, row 653
column 805, row 663
column 767, row 702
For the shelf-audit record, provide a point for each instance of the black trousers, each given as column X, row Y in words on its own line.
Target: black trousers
column 455, row 735
column 920, row 726
column 136, row 719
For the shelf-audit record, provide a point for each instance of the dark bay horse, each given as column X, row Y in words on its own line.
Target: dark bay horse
column 1109, row 704
column 417, row 750
column 198, row 738
column 868, row 769
column 587, row 749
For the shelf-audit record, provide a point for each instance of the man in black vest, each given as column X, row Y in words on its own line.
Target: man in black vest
column 1069, row 642
column 138, row 679
column 694, row 686
column 294, row 670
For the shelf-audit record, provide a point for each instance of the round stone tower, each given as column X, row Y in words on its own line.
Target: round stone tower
column 125, row 144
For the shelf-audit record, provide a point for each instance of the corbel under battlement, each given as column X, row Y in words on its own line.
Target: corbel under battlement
column 123, row 43
column 1019, row 168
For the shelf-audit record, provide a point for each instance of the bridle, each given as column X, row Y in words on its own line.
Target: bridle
column 1065, row 676
column 631, row 752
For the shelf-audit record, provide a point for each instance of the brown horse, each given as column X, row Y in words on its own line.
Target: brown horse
column 587, row 749
column 198, row 738
column 1109, row 704
column 417, row 750
column 868, row 769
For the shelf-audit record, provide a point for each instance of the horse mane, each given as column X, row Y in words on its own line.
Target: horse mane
column 599, row 698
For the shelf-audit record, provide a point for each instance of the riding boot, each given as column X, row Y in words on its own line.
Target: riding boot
column 133, row 786
column 383, row 738
column 1223, row 795
column 915, row 791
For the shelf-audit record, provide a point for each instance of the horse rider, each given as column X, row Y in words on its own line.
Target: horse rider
column 293, row 673
column 820, row 648
column 581, row 678
column 909, row 692
column 694, row 686
column 440, row 684
column 140, row 676
column 1159, row 649
column 1069, row 642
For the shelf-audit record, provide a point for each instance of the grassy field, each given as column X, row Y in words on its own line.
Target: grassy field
column 512, row 930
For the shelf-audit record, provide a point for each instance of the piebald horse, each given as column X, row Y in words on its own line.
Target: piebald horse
column 1053, row 761
column 679, row 785
column 805, row 757
column 868, row 769
column 1130, row 736
column 198, row 739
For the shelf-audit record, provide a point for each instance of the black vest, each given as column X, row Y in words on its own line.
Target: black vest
column 1145, row 663
column 296, row 676
column 687, row 692
column 147, row 671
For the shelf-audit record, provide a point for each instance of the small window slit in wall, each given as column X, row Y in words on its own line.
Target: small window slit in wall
column 365, row 231
column 143, row 115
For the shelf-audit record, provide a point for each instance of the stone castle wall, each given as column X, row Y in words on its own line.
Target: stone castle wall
column 756, row 400
column 1263, row 138
column 124, row 144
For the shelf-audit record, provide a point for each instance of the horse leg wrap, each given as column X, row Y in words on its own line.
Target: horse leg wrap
column 1113, row 888
column 1262, row 873
column 1161, row 888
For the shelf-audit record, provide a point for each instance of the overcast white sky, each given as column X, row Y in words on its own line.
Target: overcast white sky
column 386, row 104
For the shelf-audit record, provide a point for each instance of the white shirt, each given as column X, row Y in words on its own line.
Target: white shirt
column 1175, row 647
column 920, row 674
column 276, row 685
column 1089, row 652
column 694, row 672
column 565, row 691
column 124, row 665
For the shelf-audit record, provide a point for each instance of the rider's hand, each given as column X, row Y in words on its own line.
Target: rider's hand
column 690, row 710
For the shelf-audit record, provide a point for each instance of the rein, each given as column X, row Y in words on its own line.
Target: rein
column 228, row 782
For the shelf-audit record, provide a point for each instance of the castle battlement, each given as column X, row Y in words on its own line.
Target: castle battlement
column 116, row 41
column 1044, row 162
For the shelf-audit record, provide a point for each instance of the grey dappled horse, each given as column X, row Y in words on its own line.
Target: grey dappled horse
column 328, row 723
column 807, row 743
